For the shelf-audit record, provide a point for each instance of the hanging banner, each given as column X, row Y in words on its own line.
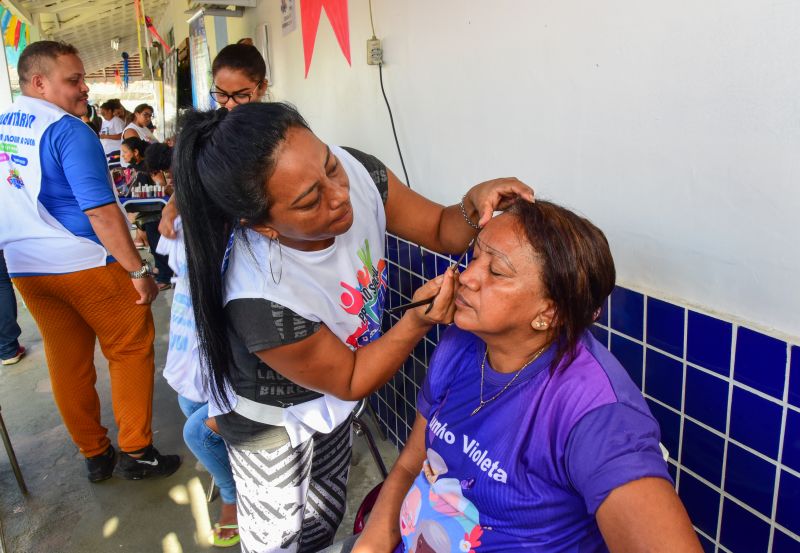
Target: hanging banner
column 336, row 10
column 15, row 36
column 200, row 63
column 154, row 32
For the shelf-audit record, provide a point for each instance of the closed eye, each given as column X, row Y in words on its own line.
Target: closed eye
column 311, row 205
column 335, row 168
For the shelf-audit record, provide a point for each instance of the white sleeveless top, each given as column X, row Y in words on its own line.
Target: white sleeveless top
column 143, row 132
column 343, row 286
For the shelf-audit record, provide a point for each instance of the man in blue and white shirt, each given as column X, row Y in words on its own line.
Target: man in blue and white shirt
column 69, row 252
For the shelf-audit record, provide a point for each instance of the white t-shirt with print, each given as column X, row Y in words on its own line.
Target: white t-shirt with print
column 342, row 286
column 115, row 125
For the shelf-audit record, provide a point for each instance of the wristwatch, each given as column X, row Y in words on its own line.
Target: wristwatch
column 143, row 272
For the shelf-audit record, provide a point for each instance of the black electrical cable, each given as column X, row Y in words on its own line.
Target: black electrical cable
column 394, row 131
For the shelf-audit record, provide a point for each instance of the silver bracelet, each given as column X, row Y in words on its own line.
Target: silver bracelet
column 464, row 213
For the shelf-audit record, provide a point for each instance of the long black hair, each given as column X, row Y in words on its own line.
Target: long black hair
column 221, row 165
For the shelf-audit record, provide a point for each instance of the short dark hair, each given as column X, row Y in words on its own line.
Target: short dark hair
column 141, row 107
column 241, row 57
column 158, row 157
column 109, row 105
column 577, row 268
column 32, row 57
column 136, row 143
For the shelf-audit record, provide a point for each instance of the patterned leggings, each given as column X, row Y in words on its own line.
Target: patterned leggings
column 292, row 499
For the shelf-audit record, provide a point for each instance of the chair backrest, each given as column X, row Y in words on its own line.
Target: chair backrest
column 365, row 508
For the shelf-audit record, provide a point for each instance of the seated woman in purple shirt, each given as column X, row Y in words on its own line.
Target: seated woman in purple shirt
column 530, row 436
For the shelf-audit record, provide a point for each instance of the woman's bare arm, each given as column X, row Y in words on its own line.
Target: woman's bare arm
column 323, row 363
column 646, row 516
column 382, row 532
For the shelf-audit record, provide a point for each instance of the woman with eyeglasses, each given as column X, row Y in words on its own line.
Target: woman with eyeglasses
column 239, row 74
column 140, row 126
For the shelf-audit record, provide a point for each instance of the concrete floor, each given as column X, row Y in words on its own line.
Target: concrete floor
column 64, row 513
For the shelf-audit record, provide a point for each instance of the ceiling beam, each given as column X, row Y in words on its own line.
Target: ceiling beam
column 85, row 19
column 57, row 7
column 81, row 8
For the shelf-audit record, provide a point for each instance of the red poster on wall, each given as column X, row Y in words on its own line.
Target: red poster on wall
column 336, row 10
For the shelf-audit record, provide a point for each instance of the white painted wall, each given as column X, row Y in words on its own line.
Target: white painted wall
column 675, row 126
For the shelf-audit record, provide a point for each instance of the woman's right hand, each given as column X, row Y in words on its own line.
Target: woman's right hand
column 443, row 288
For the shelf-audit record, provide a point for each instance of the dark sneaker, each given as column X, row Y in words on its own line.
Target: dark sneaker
column 101, row 467
column 149, row 465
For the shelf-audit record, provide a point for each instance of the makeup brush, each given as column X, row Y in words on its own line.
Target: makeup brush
column 429, row 301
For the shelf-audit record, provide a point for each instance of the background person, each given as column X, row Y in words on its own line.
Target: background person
column 10, row 349
column 139, row 127
column 530, row 436
column 184, row 372
column 121, row 111
column 111, row 134
column 91, row 119
column 239, row 74
column 148, row 215
column 69, row 252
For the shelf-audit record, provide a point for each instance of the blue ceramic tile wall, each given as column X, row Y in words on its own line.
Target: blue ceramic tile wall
column 727, row 398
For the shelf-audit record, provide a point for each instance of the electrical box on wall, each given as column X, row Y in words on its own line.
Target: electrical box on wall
column 374, row 51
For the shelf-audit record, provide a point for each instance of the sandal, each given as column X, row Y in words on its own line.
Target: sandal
column 164, row 286
column 226, row 542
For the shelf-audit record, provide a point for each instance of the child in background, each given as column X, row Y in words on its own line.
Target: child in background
column 184, row 372
column 148, row 216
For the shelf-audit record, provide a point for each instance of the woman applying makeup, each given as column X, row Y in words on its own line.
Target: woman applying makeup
column 285, row 237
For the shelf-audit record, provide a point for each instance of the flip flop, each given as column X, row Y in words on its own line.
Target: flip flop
column 164, row 286
column 226, row 542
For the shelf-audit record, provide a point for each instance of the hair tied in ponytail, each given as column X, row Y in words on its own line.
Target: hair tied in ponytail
column 220, row 114
column 209, row 124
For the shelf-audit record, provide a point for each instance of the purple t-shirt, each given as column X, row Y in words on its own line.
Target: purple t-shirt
column 529, row 470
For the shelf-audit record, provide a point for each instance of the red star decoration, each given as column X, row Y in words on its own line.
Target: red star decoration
column 336, row 10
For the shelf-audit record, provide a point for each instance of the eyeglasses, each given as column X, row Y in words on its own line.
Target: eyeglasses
column 239, row 98
column 147, row 114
